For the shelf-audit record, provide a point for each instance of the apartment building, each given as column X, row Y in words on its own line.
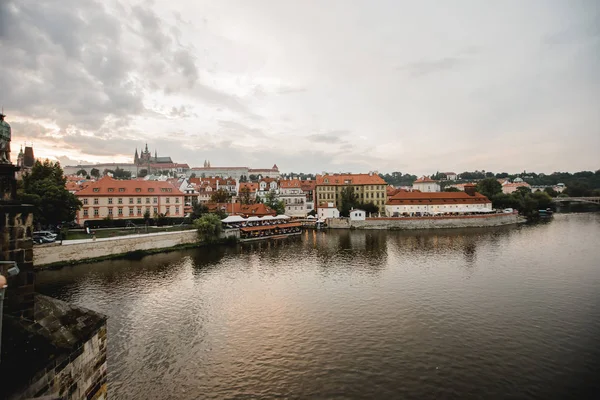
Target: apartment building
column 367, row 187
column 128, row 199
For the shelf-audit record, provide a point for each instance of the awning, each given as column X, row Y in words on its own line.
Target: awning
column 267, row 218
column 233, row 218
column 269, row 227
column 282, row 217
column 253, row 218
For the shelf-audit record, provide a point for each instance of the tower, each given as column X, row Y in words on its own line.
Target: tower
column 136, row 158
column 20, row 158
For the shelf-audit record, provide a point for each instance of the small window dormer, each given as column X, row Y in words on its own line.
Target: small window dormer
column 121, row 189
column 96, row 189
column 111, row 189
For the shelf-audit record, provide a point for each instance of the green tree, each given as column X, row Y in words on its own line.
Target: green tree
column 95, row 172
column 489, row 187
column 198, row 211
column 243, row 179
column 146, row 217
column 253, row 178
column 82, row 172
column 348, row 201
column 120, row 173
column 220, row 196
column 142, row 173
column 44, row 188
column 523, row 190
column 551, row 192
column 273, row 202
column 245, row 195
column 209, row 227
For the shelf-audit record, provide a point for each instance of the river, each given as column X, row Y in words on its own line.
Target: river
column 507, row 312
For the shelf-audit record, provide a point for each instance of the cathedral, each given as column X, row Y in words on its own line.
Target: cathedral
column 146, row 158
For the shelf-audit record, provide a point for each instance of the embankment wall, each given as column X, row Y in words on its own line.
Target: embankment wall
column 79, row 250
column 426, row 222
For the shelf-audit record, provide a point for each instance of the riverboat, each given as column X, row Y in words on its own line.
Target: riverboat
column 547, row 213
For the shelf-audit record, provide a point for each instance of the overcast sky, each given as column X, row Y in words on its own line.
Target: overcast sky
column 411, row 86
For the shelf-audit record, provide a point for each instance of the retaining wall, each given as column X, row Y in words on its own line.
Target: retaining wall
column 427, row 222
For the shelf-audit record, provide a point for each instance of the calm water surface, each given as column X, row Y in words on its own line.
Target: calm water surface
column 510, row 312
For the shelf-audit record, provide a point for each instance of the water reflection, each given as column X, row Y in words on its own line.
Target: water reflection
column 490, row 313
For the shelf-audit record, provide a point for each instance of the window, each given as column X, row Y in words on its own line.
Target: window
column 96, row 212
column 96, row 189
column 96, row 201
column 120, row 200
column 147, row 200
column 111, row 189
column 131, row 211
column 155, row 200
column 139, row 200
column 150, row 190
column 131, row 200
column 121, row 189
column 168, row 200
column 176, row 199
column 120, row 212
column 85, row 212
column 139, row 211
column 155, row 210
column 176, row 210
column 138, row 190
column 110, row 211
column 110, row 200
column 85, row 201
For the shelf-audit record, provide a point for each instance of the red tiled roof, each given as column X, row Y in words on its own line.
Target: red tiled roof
column 424, row 179
column 252, row 186
column 290, row 183
column 128, row 187
column 408, row 198
column 350, row 179
column 242, row 209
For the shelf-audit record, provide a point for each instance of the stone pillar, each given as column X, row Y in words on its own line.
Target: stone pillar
column 16, row 228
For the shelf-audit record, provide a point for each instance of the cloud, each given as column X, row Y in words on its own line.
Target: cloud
column 430, row 85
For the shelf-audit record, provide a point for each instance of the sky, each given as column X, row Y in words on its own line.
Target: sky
column 337, row 86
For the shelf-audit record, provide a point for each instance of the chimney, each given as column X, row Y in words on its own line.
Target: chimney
column 470, row 189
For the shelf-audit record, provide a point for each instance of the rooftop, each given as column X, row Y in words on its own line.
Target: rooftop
column 108, row 186
column 350, row 179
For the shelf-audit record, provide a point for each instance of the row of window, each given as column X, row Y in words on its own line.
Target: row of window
column 138, row 190
column 372, row 195
column 120, row 213
column 139, row 200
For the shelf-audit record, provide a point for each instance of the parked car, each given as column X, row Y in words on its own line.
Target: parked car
column 44, row 237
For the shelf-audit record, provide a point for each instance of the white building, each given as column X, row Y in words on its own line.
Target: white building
column 426, row 185
column 328, row 211
column 266, row 185
column 450, row 176
column 419, row 203
column 358, row 215
column 294, row 198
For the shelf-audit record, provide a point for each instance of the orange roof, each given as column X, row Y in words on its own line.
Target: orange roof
column 246, row 210
column 408, row 198
column 424, row 179
column 290, row 183
column 350, row 179
column 252, row 186
column 108, row 186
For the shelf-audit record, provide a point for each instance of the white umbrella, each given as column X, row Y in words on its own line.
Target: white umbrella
column 282, row 217
column 233, row 218
column 311, row 217
column 253, row 218
column 267, row 218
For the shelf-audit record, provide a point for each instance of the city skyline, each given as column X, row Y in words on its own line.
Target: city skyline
column 390, row 86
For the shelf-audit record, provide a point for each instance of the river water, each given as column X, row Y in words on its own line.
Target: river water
column 508, row 312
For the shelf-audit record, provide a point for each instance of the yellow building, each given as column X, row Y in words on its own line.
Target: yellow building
column 367, row 187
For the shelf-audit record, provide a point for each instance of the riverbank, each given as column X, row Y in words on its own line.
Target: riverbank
column 130, row 246
column 409, row 223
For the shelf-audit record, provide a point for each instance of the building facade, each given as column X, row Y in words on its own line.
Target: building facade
column 328, row 210
column 367, row 187
column 420, row 203
column 294, row 198
column 128, row 199
column 427, row 185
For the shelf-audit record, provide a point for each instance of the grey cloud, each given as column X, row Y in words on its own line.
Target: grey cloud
column 422, row 68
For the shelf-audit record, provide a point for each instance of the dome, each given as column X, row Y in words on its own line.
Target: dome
column 518, row 180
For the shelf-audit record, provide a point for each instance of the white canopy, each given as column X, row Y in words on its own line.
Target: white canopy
column 282, row 217
column 267, row 218
column 233, row 218
column 253, row 218
column 311, row 217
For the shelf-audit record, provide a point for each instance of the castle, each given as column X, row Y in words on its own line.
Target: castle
column 146, row 158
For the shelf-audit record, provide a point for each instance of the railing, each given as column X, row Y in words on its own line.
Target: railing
column 595, row 200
